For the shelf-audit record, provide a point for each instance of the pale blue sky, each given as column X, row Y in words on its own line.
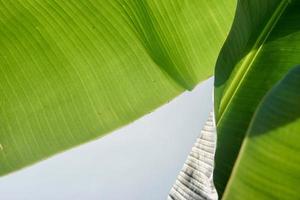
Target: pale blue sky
column 137, row 162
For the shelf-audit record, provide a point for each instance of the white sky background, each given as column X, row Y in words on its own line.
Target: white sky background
column 137, row 162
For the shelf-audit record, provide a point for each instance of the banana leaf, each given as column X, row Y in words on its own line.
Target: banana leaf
column 72, row 71
column 263, row 45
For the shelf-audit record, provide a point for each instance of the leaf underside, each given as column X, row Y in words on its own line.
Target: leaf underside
column 71, row 71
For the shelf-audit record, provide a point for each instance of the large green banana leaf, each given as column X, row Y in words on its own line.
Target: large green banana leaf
column 262, row 46
column 268, row 164
column 73, row 70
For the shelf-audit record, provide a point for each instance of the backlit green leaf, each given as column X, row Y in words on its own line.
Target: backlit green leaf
column 268, row 164
column 263, row 45
column 72, row 70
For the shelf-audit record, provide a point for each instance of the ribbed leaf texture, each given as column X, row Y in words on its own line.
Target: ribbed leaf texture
column 195, row 180
column 72, row 71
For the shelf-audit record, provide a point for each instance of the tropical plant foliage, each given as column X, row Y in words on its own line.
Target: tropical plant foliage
column 268, row 162
column 260, row 50
column 71, row 71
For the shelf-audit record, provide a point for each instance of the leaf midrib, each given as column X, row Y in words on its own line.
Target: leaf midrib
column 249, row 60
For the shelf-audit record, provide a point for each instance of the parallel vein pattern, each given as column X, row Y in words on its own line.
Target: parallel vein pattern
column 268, row 164
column 195, row 180
column 262, row 47
column 74, row 70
